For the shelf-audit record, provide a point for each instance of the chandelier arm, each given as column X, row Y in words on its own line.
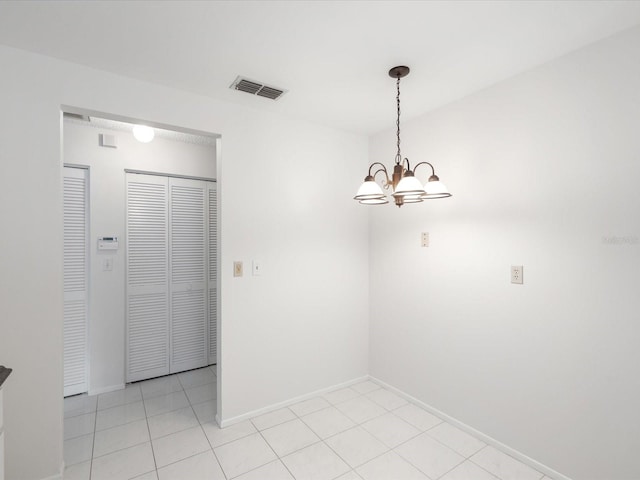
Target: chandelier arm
column 433, row 172
column 377, row 163
column 387, row 182
column 408, row 167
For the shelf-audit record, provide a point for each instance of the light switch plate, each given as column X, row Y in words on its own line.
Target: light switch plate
column 257, row 268
column 107, row 264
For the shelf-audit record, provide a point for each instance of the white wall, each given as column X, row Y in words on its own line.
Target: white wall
column 107, row 217
column 544, row 170
column 285, row 189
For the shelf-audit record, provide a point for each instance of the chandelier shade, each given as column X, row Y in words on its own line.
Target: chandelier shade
column 409, row 186
column 435, row 189
column 369, row 190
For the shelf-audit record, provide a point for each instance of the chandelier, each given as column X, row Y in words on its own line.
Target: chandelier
column 405, row 186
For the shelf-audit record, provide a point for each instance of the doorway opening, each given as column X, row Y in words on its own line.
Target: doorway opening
column 150, row 274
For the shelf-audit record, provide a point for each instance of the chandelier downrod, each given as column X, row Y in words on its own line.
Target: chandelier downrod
column 398, row 73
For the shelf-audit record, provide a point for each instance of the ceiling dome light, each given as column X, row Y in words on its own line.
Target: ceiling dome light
column 143, row 134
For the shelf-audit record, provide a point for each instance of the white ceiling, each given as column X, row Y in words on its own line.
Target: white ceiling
column 332, row 56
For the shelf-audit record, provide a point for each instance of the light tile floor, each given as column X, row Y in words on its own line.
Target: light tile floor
column 164, row 429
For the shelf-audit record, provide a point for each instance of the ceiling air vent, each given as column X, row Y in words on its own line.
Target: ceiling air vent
column 256, row 88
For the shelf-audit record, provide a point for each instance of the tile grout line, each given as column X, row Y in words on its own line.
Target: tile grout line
column 344, row 460
column 434, row 439
column 213, row 450
column 231, row 441
column 392, row 449
column 93, row 444
column 320, row 440
column 190, row 405
column 481, row 467
column 500, row 451
column 360, row 425
column 278, row 457
column 452, row 468
column 337, row 433
column 153, row 452
column 275, row 424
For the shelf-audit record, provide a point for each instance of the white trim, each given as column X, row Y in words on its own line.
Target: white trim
column 549, row 472
column 169, row 175
column 261, row 411
column 111, row 388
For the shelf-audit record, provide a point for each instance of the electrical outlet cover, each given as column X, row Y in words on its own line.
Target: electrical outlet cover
column 516, row 274
column 424, row 239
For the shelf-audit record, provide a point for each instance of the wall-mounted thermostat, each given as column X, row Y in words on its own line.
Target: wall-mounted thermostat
column 107, row 243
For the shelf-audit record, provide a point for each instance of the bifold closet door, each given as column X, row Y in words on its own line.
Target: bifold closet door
column 147, row 277
column 213, row 271
column 188, row 273
column 167, row 275
column 75, row 281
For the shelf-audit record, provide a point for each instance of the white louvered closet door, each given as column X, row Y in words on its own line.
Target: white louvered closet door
column 213, row 271
column 148, row 323
column 75, row 281
column 188, row 270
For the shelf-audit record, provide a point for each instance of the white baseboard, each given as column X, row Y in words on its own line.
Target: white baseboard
column 226, row 422
column 111, row 388
column 549, row 472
